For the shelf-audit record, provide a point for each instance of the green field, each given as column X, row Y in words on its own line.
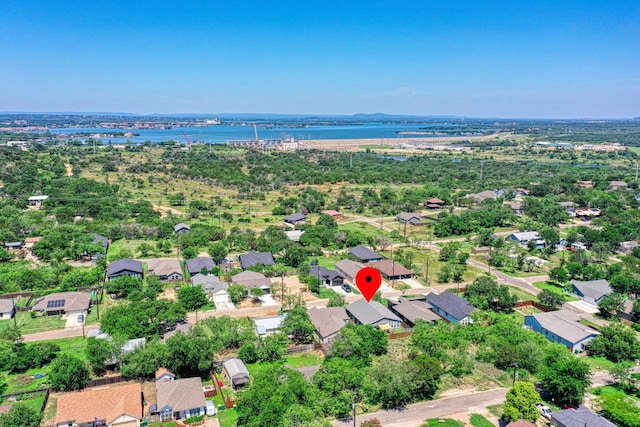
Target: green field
column 442, row 422
column 30, row 325
column 557, row 289
column 478, row 420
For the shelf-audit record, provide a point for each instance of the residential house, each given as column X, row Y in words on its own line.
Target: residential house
column 520, row 423
column 578, row 246
column 125, row 267
column 294, row 235
column 326, row 276
column 251, row 280
column 392, row 270
column 409, row 218
column 297, row 218
column 7, row 309
column 337, row 216
column 254, row 258
column 587, row 212
column 113, row 406
column 237, row 373
column 626, row 248
column 181, row 228
column 570, row 207
column 434, row 203
column 563, row 327
column 522, row 192
column 164, row 374
column 268, row 325
column 487, row 194
column 523, row 238
column 373, row 313
column 617, row 185
column 348, row 269
column 29, row 242
column 36, row 201
column 210, row 283
column 71, row 303
column 102, row 241
column 180, row 399
column 410, row 310
column 328, row 322
column 627, row 310
column 580, row 417
column 584, row 184
column 14, row 246
column 451, row 307
column 592, row 291
column 515, row 206
column 564, row 145
column 364, row 254
column 195, row 265
column 165, row 268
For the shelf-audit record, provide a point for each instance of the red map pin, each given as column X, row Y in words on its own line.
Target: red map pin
column 368, row 280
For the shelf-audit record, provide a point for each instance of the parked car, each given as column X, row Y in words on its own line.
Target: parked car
column 80, row 318
column 346, row 287
column 544, row 410
column 211, row 409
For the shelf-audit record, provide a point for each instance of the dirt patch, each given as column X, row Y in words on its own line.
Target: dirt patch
column 462, row 390
column 169, row 294
column 295, row 287
column 248, row 303
column 149, row 393
column 69, row 169
column 164, row 211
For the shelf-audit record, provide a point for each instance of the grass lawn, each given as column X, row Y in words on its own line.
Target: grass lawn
column 522, row 295
column 29, row 325
column 304, row 359
column 478, row 420
column 495, row 410
column 228, row 418
column 442, row 422
column 326, row 293
column 364, row 228
column 163, row 424
column 593, row 362
column 557, row 289
column 34, row 402
column 598, row 390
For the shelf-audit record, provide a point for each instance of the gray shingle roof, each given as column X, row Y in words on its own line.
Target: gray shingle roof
column 164, row 266
column 595, row 289
column 180, row 394
column 371, row 313
column 125, row 264
column 255, row 258
column 580, row 417
column 349, row 268
column 101, row 240
column 365, row 254
column 323, row 272
column 295, row 217
column 525, row 236
column 328, row 321
column 209, row 283
column 181, row 226
column 413, row 310
column 410, row 217
column 565, row 324
column 6, row 305
column 194, row 265
column 457, row 307
column 236, row 371
column 391, row 268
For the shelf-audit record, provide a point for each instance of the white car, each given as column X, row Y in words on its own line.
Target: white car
column 211, row 408
column 544, row 410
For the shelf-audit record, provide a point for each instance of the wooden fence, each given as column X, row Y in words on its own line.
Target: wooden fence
column 532, row 304
column 227, row 403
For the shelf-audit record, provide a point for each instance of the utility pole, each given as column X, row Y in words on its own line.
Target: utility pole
column 515, row 373
column 15, row 312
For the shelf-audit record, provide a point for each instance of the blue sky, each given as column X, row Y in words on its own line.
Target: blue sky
column 548, row 59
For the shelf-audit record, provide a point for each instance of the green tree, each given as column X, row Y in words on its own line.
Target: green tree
column 559, row 275
column 620, row 409
column 426, row 375
column 520, row 403
column 256, row 293
column 551, row 299
column 611, row 304
column 20, row 415
column 192, row 297
column 337, row 300
column 616, row 342
column 218, row 251
column 389, row 383
column 485, row 294
column 98, row 351
column 358, row 343
column 298, row 326
column 122, row 286
column 294, row 255
column 68, row 373
column 237, row 293
column 272, row 347
column 566, row 381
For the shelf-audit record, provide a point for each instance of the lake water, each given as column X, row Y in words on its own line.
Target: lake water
column 224, row 133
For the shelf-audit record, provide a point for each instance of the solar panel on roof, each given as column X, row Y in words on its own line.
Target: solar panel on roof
column 55, row 303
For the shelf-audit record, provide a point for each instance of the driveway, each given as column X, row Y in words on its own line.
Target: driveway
column 72, row 321
column 585, row 307
column 268, row 300
column 413, row 283
column 223, row 302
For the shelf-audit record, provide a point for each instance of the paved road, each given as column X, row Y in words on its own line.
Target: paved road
column 58, row 333
column 415, row 414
